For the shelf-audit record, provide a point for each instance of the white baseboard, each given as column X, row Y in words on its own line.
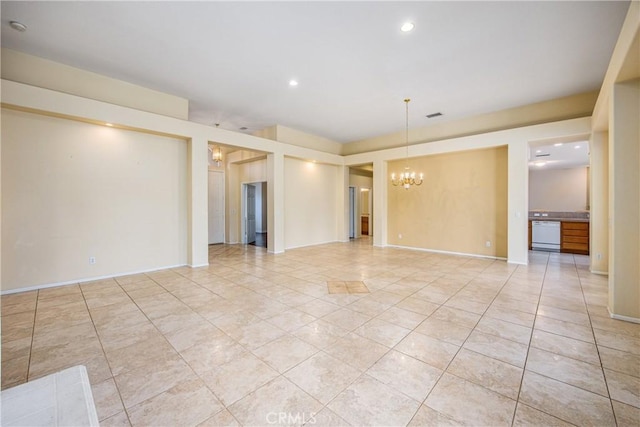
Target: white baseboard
column 621, row 317
column 437, row 251
column 206, row 264
column 601, row 273
column 311, row 244
column 84, row 280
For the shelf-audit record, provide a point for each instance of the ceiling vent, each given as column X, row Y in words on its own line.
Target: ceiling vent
column 432, row 115
column 543, row 155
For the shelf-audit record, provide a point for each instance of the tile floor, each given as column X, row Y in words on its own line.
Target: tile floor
column 256, row 339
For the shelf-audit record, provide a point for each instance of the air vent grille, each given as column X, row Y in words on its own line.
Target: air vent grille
column 432, row 115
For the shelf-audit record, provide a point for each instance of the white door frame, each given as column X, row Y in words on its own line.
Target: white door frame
column 243, row 210
column 369, row 209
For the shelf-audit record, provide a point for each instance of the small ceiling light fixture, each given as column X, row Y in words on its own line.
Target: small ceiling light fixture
column 407, row 26
column 407, row 178
column 109, row 124
column 576, row 147
column 293, row 83
column 558, row 144
column 216, row 152
column 216, row 155
column 18, row 26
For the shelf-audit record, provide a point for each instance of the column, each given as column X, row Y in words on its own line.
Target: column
column 380, row 183
column 599, row 202
column 342, row 203
column 275, row 203
column 624, row 201
column 197, row 203
column 518, row 203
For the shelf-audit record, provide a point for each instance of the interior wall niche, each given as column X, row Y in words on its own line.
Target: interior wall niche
column 460, row 207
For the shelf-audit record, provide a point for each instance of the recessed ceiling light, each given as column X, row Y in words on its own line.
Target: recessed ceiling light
column 293, row 82
column 407, row 26
column 576, row 147
column 557, row 144
column 538, row 151
column 108, row 124
column 18, row 26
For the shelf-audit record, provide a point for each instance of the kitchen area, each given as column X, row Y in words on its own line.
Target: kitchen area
column 559, row 197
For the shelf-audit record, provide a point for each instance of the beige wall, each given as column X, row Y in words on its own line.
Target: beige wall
column 461, row 204
column 310, row 203
column 561, row 190
column 301, row 139
column 517, row 140
column 23, row 68
column 73, row 190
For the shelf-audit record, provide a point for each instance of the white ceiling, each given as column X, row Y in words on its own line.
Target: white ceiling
column 559, row 155
column 233, row 60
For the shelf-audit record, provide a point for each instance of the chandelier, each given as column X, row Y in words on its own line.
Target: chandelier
column 216, row 155
column 406, row 178
column 216, row 152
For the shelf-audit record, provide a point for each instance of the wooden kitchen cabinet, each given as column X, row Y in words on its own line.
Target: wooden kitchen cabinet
column 574, row 237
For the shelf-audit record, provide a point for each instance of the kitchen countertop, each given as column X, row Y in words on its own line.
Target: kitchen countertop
column 562, row 216
column 549, row 218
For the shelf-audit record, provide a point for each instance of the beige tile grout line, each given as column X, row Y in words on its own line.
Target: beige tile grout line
column 317, row 298
column 526, row 359
column 553, row 333
column 33, row 334
column 461, row 345
column 104, row 354
column 595, row 341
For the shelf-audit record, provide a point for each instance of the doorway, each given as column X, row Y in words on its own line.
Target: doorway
column 254, row 214
column 365, row 212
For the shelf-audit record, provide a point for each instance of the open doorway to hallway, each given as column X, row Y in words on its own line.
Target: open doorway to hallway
column 254, row 213
column 360, row 201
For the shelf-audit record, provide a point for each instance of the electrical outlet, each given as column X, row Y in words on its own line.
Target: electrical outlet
column 599, row 257
column 488, row 243
column 92, row 260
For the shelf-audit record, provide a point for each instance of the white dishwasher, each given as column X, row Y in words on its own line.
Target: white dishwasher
column 545, row 235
